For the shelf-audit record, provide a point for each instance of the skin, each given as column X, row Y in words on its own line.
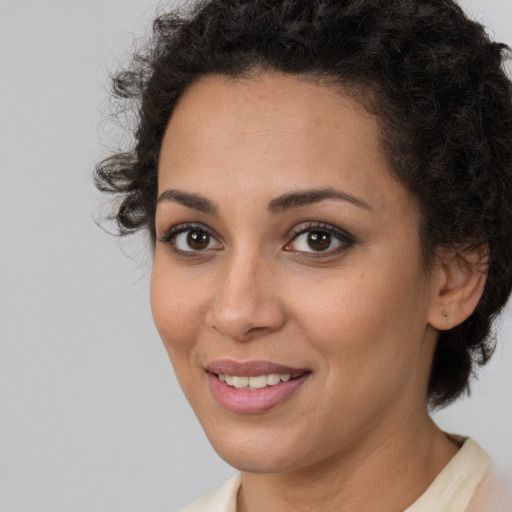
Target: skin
column 362, row 316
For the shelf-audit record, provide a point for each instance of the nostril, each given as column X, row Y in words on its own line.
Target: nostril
column 246, row 319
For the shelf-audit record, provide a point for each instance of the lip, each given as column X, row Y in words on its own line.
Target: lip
column 250, row 368
column 245, row 401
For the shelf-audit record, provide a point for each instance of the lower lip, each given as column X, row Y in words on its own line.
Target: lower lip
column 246, row 401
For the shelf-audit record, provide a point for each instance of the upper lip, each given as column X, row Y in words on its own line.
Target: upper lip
column 250, row 368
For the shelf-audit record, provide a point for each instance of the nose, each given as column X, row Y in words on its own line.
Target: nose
column 246, row 304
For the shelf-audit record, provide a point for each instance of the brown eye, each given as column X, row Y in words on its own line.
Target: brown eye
column 191, row 239
column 198, row 240
column 319, row 240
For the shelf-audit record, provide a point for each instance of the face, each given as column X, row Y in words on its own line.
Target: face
column 287, row 283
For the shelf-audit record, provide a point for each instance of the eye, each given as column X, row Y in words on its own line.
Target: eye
column 190, row 239
column 320, row 239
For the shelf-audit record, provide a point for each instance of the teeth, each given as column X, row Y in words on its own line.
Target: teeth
column 258, row 382
column 240, row 382
column 273, row 379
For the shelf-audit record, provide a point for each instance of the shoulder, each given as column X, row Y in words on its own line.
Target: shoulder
column 493, row 493
column 222, row 499
column 467, row 483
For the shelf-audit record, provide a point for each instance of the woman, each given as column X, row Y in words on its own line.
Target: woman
column 327, row 186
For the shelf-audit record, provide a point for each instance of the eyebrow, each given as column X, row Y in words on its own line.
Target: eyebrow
column 300, row 198
column 282, row 203
column 193, row 201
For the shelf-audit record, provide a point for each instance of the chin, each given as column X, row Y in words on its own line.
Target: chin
column 259, row 450
column 255, row 459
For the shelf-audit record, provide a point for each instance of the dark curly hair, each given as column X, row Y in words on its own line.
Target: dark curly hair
column 432, row 77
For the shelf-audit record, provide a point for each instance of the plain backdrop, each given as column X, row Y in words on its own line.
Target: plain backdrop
column 91, row 416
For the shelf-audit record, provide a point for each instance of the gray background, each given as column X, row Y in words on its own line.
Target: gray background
column 91, row 417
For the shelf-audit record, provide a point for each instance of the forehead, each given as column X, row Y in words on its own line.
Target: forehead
column 217, row 106
column 272, row 133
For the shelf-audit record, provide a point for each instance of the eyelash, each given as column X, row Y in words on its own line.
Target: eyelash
column 346, row 240
column 175, row 231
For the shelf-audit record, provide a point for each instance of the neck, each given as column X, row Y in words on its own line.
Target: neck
column 405, row 461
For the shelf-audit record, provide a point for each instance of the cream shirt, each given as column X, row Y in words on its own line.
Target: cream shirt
column 466, row 484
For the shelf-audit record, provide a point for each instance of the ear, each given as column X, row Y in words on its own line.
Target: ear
column 458, row 280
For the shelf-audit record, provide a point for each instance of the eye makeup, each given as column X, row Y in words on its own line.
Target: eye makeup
column 322, row 240
column 310, row 240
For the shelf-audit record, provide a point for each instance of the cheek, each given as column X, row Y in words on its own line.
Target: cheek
column 177, row 308
column 366, row 318
column 178, row 304
column 369, row 351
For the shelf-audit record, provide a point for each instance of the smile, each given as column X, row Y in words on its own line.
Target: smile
column 253, row 387
column 257, row 382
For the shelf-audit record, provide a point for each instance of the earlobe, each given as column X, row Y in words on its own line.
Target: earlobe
column 461, row 277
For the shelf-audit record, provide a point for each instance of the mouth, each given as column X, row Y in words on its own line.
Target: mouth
column 258, row 381
column 253, row 387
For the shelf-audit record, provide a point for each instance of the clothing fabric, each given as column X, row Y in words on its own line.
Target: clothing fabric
column 466, row 484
